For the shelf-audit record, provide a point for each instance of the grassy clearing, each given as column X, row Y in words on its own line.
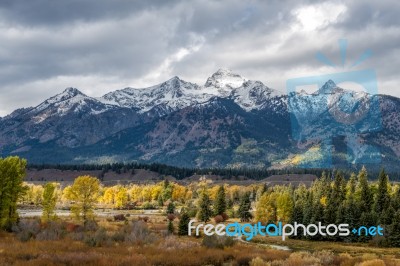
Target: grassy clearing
column 151, row 245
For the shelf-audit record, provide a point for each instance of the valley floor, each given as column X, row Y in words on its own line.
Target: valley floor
column 73, row 248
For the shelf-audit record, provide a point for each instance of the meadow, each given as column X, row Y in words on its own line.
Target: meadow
column 144, row 240
column 89, row 223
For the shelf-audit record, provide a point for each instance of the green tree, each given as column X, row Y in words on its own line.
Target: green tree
column 84, row 192
column 49, row 202
column 220, row 201
column 335, row 199
column 167, row 190
column 171, row 208
column 350, row 209
column 244, row 208
column 382, row 199
column 12, row 173
column 204, row 208
column 183, row 227
column 365, row 197
column 308, row 208
column 394, row 236
column 395, row 200
column 284, row 206
column 266, row 210
column 160, row 200
column 171, row 227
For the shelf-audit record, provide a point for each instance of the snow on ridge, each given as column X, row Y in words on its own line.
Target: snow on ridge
column 176, row 93
column 171, row 95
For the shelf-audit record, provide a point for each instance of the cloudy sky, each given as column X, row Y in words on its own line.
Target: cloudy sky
column 100, row 46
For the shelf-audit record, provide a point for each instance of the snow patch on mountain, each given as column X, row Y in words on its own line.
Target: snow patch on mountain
column 70, row 100
column 176, row 94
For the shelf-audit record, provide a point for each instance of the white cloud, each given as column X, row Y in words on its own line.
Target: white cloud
column 312, row 17
column 103, row 47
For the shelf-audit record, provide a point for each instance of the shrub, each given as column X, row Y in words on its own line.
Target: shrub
column 259, row 262
column 119, row 217
column 70, row 227
column 52, row 231
column 379, row 241
column 76, row 236
column 218, row 219
column 192, row 212
column 27, row 229
column 231, row 213
column 325, row 257
column 171, row 217
column 302, row 258
column 214, row 241
column 173, row 243
column 97, row 239
column 243, row 260
column 374, row 262
column 144, row 218
column 91, row 225
column 118, row 236
column 147, row 205
column 138, row 233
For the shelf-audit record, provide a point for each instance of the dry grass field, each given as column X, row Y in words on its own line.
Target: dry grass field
column 148, row 243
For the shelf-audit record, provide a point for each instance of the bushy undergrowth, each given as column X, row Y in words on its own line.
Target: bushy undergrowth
column 217, row 241
column 140, row 243
column 135, row 232
column 138, row 233
column 27, row 229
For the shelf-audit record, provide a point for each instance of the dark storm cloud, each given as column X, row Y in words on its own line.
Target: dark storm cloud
column 101, row 45
column 50, row 13
column 362, row 14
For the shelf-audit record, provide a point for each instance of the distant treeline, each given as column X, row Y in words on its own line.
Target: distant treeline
column 181, row 173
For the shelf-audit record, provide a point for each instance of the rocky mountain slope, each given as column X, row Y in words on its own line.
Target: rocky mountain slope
column 227, row 122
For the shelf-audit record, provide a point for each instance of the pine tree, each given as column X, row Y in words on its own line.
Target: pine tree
column 365, row 193
column 297, row 216
column 167, row 190
column 220, row 202
column 308, row 208
column 183, row 227
column 394, row 236
column 170, row 227
column 382, row 199
column 160, row 201
column 335, row 199
column 244, row 208
column 170, row 208
column 49, row 202
column 367, row 219
column 350, row 208
column 204, row 209
column 395, row 200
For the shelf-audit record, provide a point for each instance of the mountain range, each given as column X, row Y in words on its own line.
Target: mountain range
column 229, row 121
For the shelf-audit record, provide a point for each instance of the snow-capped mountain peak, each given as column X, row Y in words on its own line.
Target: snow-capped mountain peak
column 73, row 92
column 176, row 93
column 70, row 100
column 225, row 78
column 67, row 94
column 327, row 87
